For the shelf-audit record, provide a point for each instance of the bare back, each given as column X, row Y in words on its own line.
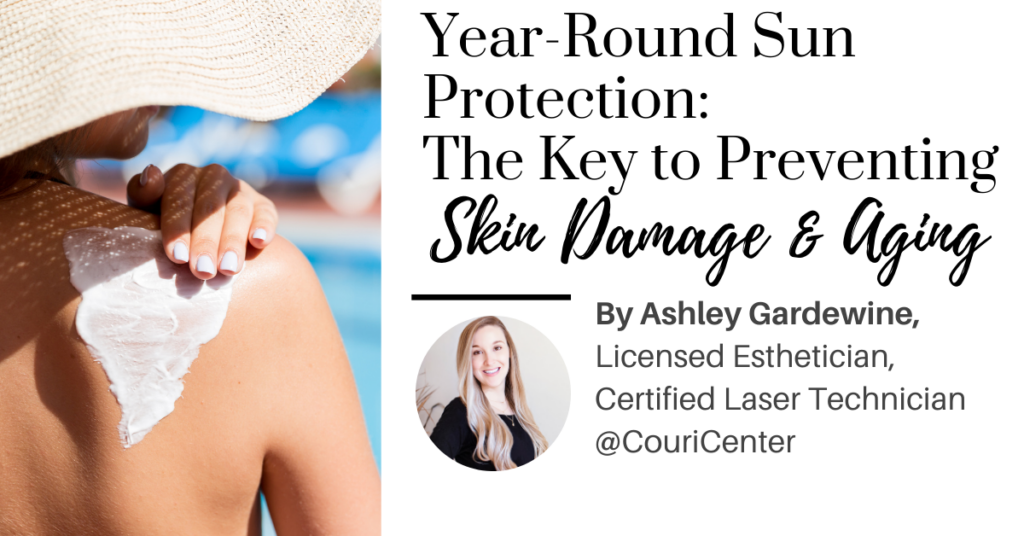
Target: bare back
column 64, row 469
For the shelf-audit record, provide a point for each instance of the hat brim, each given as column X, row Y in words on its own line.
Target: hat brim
column 65, row 64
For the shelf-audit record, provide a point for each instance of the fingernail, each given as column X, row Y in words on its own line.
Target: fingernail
column 205, row 265
column 230, row 262
column 180, row 252
column 259, row 234
column 143, row 178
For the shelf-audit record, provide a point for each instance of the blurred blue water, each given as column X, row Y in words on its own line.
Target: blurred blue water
column 351, row 282
column 327, row 134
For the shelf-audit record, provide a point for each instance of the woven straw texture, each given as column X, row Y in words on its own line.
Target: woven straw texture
column 68, row 62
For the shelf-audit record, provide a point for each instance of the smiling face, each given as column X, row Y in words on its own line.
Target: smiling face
column 490, row 357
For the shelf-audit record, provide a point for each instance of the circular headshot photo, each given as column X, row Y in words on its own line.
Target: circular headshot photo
column 493, row 393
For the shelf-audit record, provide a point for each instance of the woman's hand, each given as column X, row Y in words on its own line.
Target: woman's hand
column 206, row 216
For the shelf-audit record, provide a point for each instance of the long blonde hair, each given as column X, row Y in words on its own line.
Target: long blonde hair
column 493, row 436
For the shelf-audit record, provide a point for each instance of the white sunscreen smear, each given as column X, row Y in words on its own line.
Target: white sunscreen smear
column 142, row 317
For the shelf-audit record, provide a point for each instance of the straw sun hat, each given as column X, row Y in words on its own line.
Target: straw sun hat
column 64, row 63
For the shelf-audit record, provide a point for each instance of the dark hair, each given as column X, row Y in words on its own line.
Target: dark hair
column 51, row 158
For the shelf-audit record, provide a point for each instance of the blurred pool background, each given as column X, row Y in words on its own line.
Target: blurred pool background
column 321, row 167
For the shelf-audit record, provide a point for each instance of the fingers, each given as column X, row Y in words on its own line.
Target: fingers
column 176, row 209
column 214, row 189
column 208, row 217
column 146, row 189
column 237, row 217
column 263, row 227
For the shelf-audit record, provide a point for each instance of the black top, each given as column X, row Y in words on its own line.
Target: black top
column 457, row 441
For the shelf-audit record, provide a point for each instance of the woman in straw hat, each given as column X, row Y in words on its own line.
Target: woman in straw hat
column 271, row 403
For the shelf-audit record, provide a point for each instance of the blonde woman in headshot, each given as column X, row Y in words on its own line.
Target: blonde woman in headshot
column 489, row 426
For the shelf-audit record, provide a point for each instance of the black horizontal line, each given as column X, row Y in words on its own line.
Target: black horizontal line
column 491, row 297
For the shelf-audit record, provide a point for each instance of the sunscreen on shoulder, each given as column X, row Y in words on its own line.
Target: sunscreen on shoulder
column 142, row 317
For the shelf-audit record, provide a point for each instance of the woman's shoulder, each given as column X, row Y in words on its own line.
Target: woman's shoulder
column 277, row 313
column 453, row 416
column 35, row 284
column 278, row 364
column 279, row 259
column 279, row 373
column 276, row 291
column 61, row 208
column 456, row 406
column 452, row 429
